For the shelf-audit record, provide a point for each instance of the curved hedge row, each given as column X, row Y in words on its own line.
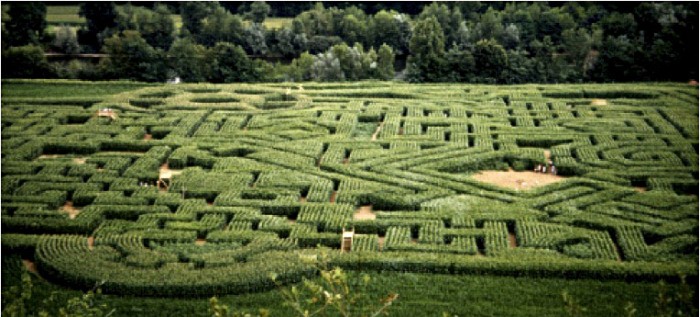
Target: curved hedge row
column 68, row 260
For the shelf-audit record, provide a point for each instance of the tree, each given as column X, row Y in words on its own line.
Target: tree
column 129, row 56
column 391, row 28
column 66, row 41
column 228, row 63
column 258, row 11
column 289, row 43
column 157, row 27
column 25, row 62
column 489, row 26
column 350, row 59
column 460, row 64
column 221, row 26
column 188, row 60
column 27, row 23
column 577, row 45
column 326, row 67
column 427, row 47
column 385, row 62
column 100, row 23
column 491, row 60
column 192, row 13
column 300, row 68
column 254, row 39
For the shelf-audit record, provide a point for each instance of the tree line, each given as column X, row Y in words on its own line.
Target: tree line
column 476, row 42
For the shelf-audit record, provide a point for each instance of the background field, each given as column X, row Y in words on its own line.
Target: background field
column 266, row 172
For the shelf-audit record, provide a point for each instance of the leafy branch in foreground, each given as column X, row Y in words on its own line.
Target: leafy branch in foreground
column 334, row 292
column 17, row 300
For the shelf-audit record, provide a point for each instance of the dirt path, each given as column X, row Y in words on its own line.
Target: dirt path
column 547, row 155
column 511, row 241
column 166, row 172
column 376, row 132
column 640, row 189
column 346, row 161
column 517, row 180
column 79, row 160
column 147, row 137
column 599, row 102
column 333, row 194
column 200, row 241
column 30, row 265
column 50, row 156
column 91, row 242
column 364, row 213
column 302, row 200
column 70, row 210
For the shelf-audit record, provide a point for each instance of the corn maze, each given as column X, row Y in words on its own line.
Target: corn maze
column 194, row 190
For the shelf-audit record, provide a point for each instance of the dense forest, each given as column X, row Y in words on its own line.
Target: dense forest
column 475, row 42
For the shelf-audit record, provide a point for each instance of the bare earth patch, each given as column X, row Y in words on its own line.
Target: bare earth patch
column 70, row 210
column 517, row 180
column 200, row 241
column 91, row 242
column 599, row 102
column 333, row 194
column 79, row 160
column 512, row 243
column 30, row 265
column 640, row 189
column 147, row 137
column 376, row 132
column 381, row 242
column 364, row 213
column 166, row 172
column 302, row 199
column 50, row 156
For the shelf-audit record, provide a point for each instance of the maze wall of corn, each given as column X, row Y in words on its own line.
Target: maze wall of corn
column 201, row 189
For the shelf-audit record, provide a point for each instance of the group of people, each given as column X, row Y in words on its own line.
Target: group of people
column 548, row 168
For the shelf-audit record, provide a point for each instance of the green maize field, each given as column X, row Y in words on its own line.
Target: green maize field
column 256, row 176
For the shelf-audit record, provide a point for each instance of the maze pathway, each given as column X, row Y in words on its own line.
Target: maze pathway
column 260, row 175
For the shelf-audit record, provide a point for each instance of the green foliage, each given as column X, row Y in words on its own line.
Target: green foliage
column 131, row 57
column 334, row 293
column 20, row 300
column 427, row 48
column 26, row 25
column 25, row 62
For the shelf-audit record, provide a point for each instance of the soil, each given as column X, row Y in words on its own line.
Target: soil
column 147, row 137
column 166, row 172
column 333, row 194
column 50, row 156
column 640, row 189
column 79, row 160
column 70, row 210
column 693, row 83
column 91, row 242
column 30, row 265
column 376, row 133
column 346, row 161
column 302, row 199
column 517, row 180
column 364, row 213
column 599, row 102
column 547, row 155
column 381, row 243
column 292, row 221
column 200, row 241
column 511, row 241
column 400, row 131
